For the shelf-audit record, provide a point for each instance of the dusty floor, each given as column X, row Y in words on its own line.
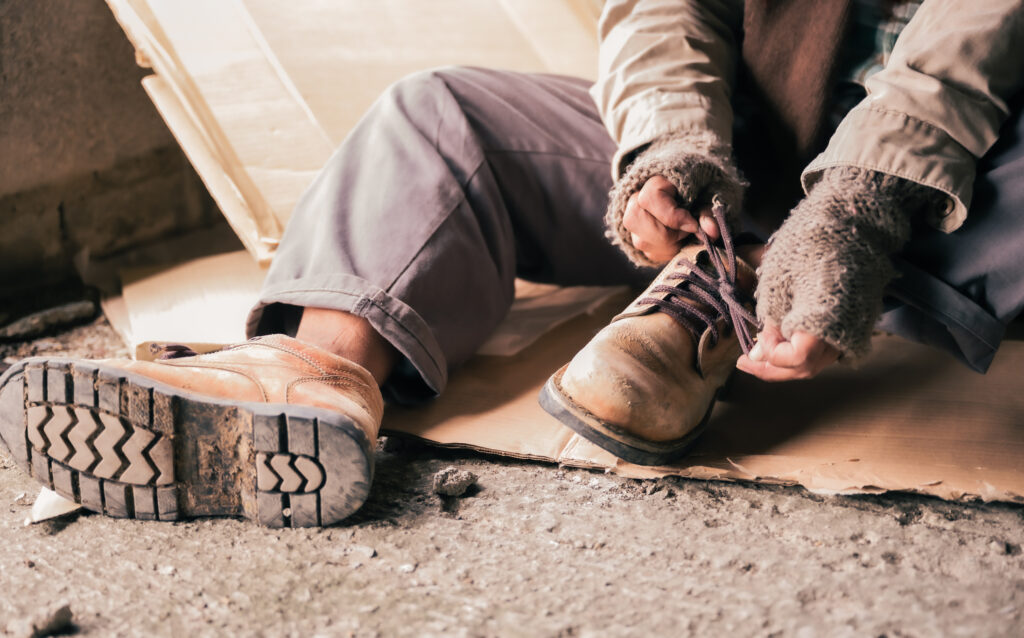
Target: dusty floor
column 536, row 551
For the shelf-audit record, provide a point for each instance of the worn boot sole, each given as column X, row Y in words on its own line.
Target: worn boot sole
column 622, row 444
column 131, row 447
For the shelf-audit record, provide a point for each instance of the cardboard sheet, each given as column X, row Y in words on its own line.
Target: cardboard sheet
column 910, row 419
column 260, row 92
column 201, row 303
column 538, row 308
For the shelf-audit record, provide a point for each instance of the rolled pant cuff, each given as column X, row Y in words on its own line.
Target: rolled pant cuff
column 399, row 324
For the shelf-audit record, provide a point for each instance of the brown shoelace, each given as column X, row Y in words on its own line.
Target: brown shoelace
column 699, row 300
column 162, row 352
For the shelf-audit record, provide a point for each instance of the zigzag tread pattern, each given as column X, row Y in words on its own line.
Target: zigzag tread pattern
column 107, row 447
column 80, row 439
column 56, row 430
column 288, row 473
column 140, row 470
column 102, row 444
column 38, row 417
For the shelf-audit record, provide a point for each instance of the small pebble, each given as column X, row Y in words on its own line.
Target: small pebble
column 407, row 568
column 453, row 482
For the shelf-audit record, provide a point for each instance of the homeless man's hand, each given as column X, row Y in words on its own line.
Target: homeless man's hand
column 666, row 191
column 658, row 225
column 824, row 272
column 775, row 358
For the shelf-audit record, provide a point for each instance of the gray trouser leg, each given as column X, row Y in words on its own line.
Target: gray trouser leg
column 455, row 182
column 958, row 291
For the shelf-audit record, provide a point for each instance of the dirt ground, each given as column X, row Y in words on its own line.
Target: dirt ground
column 536, row 550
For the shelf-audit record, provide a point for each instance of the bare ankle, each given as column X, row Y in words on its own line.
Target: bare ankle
column 349, row 336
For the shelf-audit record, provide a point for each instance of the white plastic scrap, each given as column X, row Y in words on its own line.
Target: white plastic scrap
column 50, row 504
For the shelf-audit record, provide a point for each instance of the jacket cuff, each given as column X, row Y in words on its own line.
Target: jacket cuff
column 900, row 145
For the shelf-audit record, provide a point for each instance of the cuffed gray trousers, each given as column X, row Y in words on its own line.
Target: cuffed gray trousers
column 458, row 180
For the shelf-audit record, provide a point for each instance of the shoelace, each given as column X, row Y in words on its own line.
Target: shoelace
column 697, row 288
column 162, row 352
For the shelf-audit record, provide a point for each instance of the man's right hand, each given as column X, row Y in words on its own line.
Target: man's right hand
column 658, row 225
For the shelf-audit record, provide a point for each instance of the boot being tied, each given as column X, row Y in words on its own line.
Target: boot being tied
column 644, row 386
column 273, row 429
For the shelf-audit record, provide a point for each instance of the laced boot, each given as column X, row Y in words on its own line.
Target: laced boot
column 644, row 387
column 273, row 429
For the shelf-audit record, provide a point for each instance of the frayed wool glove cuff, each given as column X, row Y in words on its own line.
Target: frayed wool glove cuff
column 698, row 164
column 826, row 268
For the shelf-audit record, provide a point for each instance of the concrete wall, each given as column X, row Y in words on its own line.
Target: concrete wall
column 86, row 164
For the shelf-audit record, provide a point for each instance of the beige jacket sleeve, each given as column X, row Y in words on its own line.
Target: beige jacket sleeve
column 666, row 66
column 938, row 105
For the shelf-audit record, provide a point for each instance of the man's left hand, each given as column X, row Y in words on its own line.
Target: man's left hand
column 774, row 358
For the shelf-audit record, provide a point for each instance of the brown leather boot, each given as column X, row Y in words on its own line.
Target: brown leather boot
column 273, row 429
column 644, row 386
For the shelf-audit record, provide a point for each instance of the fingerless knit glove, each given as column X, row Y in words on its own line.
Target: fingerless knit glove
column 698, row 164
column 826, row 268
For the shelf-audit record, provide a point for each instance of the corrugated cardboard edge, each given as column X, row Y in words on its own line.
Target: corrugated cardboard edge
column 249, row 107
column 203, row 158
column 240, row 202
column 194, row 124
